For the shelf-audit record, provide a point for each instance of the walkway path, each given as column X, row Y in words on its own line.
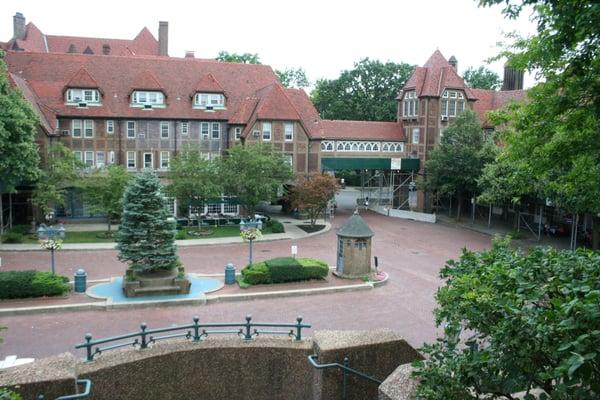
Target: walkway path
column 411, row 252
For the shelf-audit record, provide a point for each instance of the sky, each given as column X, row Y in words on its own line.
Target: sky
column 322, row 36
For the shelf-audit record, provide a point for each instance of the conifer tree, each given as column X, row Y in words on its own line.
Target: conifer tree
column 146, row 237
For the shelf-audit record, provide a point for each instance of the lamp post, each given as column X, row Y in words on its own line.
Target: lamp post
column 250, row 231
column 49, row 235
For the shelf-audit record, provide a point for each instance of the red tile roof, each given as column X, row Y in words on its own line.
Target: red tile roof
column 361, row 130
column 35, row 41
column 82, row 79
column 308, row 113
column 48, row 73
column 275, row 104
column 146, row 81
column 488, row 100
column 47, row 117
column 208, row 84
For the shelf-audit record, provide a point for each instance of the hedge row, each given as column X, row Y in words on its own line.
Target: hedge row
column 276, row 226
column 22, row 284
column 285, row 269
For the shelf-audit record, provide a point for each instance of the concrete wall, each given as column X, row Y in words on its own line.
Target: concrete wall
column 221, row 368
column 417, row 216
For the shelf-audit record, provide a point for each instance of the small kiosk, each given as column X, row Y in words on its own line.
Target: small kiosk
column 354, row 248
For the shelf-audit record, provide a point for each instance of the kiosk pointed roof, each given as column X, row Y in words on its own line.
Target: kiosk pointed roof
column 355, row 227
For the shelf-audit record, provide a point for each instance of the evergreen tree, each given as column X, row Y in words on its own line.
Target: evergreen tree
column 146, row 237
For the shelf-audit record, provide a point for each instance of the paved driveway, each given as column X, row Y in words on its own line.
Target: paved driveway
column 411, row 252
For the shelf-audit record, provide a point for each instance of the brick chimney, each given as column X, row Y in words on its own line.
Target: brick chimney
column 513, row 78
column 189, row 54
column 18, row 26
column 163, row 38
column 454, row 62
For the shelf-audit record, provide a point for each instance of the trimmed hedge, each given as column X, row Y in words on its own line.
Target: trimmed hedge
column 285, row 269
column 22, row 284
column 276, row 226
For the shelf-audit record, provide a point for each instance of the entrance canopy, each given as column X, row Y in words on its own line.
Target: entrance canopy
column 356, row 163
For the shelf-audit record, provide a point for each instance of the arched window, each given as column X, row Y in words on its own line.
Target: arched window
column 386, row 147
column 347, row 147
column 340, row 146
column 368, row 147
column 354, row 146
column 375, row 146
column 330, row 146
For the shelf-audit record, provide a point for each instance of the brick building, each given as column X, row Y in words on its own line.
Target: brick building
column 127, row 102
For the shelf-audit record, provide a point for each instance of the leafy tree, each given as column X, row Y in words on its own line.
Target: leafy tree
column 103, row 189
column 455, row 165
column 60, row 172
column 312, row 193
column 254, row 173
column 18, row 127
column 516, row 322
column 554, row 138
column 245, row 58
column 146, row 236
column 482, row 78
column 367, row 92
column 292, row 77
column 193, row 178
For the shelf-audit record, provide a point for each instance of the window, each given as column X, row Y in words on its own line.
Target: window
column 164, row 130
column 130, row 129
column 415, row 136
column 230, row 209
column 215, row 100
column 89, row 159
column 110, row 126
column 266, row 131
column 326, row 146
column 204, row 127
column 410, row 104
column 453, row 103
column 131, row 159
column 76, row 128
column 111, row 157
column 288, row 131
column 238, row 133
column 78, row 155
column 140, row 98
column 213, row 208
column 148, row 164
column 216, row 130
column 164, row 159
column 88, row 96
column 99, row 159
column 185, row 128
column 88, row 128
column 289, row 160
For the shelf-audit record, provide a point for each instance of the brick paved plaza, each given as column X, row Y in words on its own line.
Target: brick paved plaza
column 411, row 252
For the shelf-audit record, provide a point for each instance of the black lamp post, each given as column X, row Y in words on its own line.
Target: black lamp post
column 51, row 233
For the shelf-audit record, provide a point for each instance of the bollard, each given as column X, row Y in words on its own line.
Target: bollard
column 80, row 281
column 229, row 274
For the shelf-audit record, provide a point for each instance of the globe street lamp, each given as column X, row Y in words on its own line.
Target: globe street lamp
column 50, row 237
column 250, row 231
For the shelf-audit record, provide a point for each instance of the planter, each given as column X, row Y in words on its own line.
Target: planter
column 155, row 283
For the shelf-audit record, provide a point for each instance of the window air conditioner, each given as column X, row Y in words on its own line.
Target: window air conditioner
column 209, row 108
column 256, row 133
column 82, row 105
column 65, row 133
column 141, row 135
column 147, row 106
column 444, row 118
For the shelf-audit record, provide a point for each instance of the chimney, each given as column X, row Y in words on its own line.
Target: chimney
column 163, row 38
column 18, row 26
column 189, row 54
column 106, row 49
column 513, row 78
column 454, row 62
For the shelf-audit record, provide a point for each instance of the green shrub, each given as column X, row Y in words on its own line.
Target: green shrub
column 180, row 235
column 12, row 237
column 256, row 273
column 276, row 226
column 22, row 284
column 285, row 269
column 22, row 229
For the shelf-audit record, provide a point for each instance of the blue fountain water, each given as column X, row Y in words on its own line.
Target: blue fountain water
column 114, row 290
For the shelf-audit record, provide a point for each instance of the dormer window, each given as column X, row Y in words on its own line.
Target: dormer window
column 209, row 101
column 83, row 96
column 141, row 98
column 410, row 106
column 452, row 103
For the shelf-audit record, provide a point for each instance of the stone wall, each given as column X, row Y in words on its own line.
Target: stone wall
column 222, row 368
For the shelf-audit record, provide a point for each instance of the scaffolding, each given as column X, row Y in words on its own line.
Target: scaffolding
column 389, row 188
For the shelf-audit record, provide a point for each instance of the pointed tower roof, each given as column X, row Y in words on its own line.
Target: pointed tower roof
column 355, row 227
column 275, row 104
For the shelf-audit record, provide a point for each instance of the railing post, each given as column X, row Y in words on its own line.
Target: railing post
column 143, row 327
column 196, row 329
column 88, row 347
column 248, row 335
column 345, row 378
column 299, row 328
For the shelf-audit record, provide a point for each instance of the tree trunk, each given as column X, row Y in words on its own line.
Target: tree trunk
column 1, row 216
column 108, row 223
column 459, row 197
column 596, row 233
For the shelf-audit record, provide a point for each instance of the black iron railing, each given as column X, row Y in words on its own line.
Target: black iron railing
column 87, row 387
column 195, row 332
column 345, row 371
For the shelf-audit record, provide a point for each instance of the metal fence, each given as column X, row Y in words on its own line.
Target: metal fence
column 195, row 332
column 87, row 387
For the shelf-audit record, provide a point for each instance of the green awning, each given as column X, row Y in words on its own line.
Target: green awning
column 356, row 163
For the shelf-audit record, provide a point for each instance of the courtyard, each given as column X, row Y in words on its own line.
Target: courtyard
column 410, row 252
